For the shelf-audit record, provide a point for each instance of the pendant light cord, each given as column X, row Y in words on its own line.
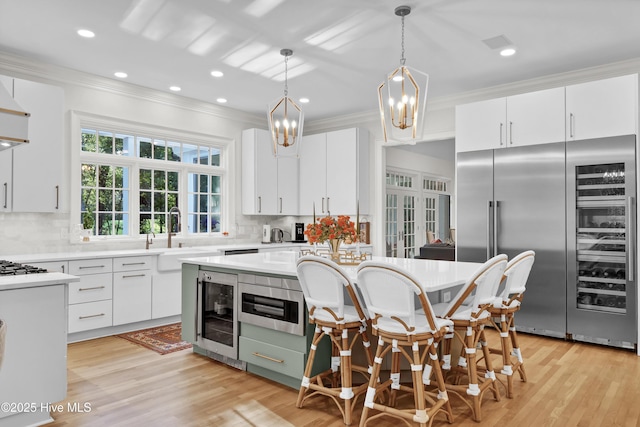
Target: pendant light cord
column 286, row 69
column 402, row 59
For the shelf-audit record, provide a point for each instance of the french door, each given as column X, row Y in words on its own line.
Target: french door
column 400, row 223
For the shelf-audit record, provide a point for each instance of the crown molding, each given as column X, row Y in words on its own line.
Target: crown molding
column 21, row 67
column 524, row 86
column 18, row 66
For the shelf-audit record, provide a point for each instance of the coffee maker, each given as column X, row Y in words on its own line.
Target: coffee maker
column 297, row 233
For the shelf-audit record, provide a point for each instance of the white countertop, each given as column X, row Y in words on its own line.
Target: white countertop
column 58, row 256
column 433, row 275
column 23, row 281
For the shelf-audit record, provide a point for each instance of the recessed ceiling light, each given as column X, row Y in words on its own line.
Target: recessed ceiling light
column 304, row 100
column 222, row 100
column 217, row 73
column 509, row 51
column 175, row 88
column 86, row 33
column 120, row 75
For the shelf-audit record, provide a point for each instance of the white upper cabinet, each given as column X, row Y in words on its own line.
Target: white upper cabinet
column 481, row 125
column 313, row 174
column 535, row 118
column 526, row 119
column 602, row 108
column 269, row 184
column 31, row 175
column 334, row 173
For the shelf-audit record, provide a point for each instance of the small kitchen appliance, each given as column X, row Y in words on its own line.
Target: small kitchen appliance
column 266, row 234
column 277, row 235
column 297, row 233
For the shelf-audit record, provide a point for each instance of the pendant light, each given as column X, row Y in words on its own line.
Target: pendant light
column 402, row 98
column 285, row 119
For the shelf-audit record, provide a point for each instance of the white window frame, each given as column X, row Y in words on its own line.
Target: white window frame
column 82, row 120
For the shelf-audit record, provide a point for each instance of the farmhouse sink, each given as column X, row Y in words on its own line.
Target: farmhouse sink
column 170, row 259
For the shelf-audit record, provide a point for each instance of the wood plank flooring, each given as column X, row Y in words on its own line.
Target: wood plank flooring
column 569, row 384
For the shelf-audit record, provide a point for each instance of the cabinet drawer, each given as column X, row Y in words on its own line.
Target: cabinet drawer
column 274, row 358
column 90, row 266
column 93, row 287
column 90, row 315
column 132, row 263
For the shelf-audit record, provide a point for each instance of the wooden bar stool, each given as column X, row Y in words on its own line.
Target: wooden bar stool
column 324, row 284
column 469, row 312
column 390, row 295
column 502, row 312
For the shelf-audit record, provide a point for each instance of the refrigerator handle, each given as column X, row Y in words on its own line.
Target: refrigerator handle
column 631, row 239
column 495, row 228
column 489, row 217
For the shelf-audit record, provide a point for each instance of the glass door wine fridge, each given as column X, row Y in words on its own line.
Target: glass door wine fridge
column 217, row 317
column 601, row 284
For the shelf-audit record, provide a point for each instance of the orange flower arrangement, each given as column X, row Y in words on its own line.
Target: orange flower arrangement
column 328, row 228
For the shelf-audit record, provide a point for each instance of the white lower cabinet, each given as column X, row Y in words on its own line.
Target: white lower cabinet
column 131, row 289
column 90, row 299
column 166, row 294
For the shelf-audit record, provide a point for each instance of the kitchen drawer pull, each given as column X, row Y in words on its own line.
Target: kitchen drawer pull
column 90, row 316
column 133, row 263
column 91, row 289
column 83, row 267
column 268, row 358
column 6, row 194
column 57, row 197
column 133, row 275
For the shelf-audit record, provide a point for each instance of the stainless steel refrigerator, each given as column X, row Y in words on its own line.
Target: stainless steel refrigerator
column 519, row 198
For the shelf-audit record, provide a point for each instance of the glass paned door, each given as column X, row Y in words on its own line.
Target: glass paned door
column 400, row 234
column 391, row 225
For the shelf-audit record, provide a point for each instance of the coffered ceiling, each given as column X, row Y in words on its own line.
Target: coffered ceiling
column 342, row 48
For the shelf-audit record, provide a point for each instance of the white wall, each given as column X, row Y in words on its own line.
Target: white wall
column 34, row 233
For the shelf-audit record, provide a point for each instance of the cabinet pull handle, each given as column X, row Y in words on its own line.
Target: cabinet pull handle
column 259, row 203
column 91, row 289
column 83, row 267
column 57, row 197
column 133, row 275
column 501, row 125
column 280, row 204
column 631, row 238
column 6, row 195
column 90, row 316
column 570, row 125
column 511, row 133
column 323, row 205
column 268, row 358
column 133, row 263
column 328, row 208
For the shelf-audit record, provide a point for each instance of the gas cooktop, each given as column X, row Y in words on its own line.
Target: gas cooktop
column 8, row 268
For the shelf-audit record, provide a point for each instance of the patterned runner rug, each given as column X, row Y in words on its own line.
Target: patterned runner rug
column 163, row 339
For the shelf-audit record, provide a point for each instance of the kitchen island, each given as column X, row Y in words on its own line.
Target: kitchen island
column 221, row 318
column 33, row 374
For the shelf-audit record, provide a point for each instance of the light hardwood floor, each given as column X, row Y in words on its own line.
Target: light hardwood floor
column 569, row 384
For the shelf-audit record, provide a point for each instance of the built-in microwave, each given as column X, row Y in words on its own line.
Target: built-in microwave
column 275, row 305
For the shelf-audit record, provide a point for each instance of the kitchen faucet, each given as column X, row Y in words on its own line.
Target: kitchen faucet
column 149, row 241
column 174, row 210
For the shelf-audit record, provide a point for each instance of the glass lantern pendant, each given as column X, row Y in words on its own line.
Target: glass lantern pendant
column 402, row 99
column 285, row 120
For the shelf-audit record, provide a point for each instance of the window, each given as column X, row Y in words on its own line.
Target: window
column 105, row 199
column 130, row 179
